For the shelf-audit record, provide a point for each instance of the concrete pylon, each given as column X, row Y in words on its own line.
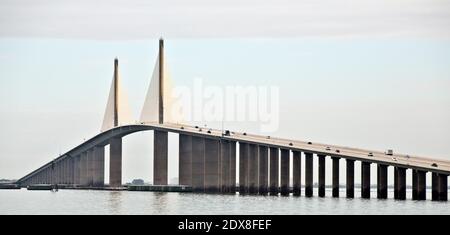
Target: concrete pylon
column 160, row 106
column 117, row 109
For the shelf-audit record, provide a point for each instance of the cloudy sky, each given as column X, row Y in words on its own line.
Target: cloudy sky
column 120, row 19
column 371, row 74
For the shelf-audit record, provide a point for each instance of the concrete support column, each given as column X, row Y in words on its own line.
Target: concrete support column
column 395, row 183
column 297, row 172
column 91, row 167
column 61, row 170
column 308, row 174
column 66, row 170
column 243, row 167
column 321, row 175
column 212, row 162
column 335, row 182
column 263, row 169
column 224, row 166
column 350, row 178
column 45, row 175
column 160, row 157
column 434, row 186
column 414, row 185
column 443, row 187
column 274, row 171
column 76, row 170
column 365, row 179
column 285, row 160
column 185, row 159
column 84, row 169
column 382, row 181
column 70, row 169
column 115, row 162
column 401, row 177
column 56, row 173
column 232, row 182
column 253, row 169
column 99, row 166
column 198, row 164
column 421, row 185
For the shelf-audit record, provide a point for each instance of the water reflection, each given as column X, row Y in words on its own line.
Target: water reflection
column 160, row 202
column 114, row 202
column 124, row 202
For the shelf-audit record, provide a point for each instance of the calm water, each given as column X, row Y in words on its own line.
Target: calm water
column 107, row 202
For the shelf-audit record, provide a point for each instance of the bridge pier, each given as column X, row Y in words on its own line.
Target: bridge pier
column 321, row 175
column 421, row 185
column 212, row 161
column 350, row 178
column 185, row 160
column 243, row 167
column 297, row 172
column 308, row 174
column 160, row 157
column 443, row 187
column 285, row 161
column 263, row 169
column 198, row 164
column 415, row 186
column 56, row 169
column 90, row 171
column 253, row 169
column 76, row 170
column 61, row 171
column 274, row 171
column 382, row 181
column 224, row 166
column 99, row 166
column 115, row 162
column 434, row 186
column 365, row 179
column 401, row 183
column 232, row 183
column 83, row 171
column 66, row 170
column 335, row 182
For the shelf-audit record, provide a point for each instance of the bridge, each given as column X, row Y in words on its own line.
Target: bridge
column 208, row 157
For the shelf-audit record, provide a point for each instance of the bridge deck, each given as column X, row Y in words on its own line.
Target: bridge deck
column 401, row 160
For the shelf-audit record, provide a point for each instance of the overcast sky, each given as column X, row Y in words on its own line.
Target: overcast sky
column 123, row 19
column 370, row 74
